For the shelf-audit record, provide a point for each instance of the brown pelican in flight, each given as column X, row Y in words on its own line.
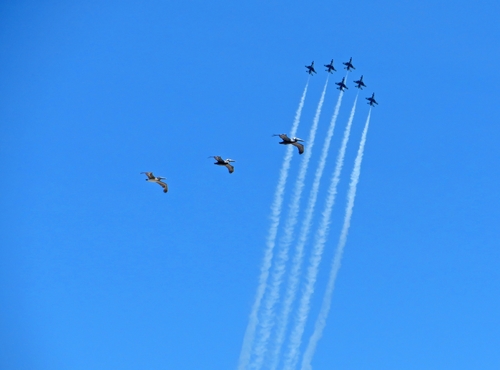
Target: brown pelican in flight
column 222, row 162
column 153, row 178
column 294, row 141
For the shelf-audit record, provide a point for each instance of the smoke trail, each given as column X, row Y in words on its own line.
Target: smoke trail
column 317, row 252
column 282, row 257
column 270, row 242
column 294, row 275
column 325, row 306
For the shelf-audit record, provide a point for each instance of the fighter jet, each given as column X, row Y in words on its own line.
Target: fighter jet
column 371, row 100
column 153, row 178
column 294, row 141
column 349, row 65
column 359, row 83
column 341, row 84
column 329, row 67
column 223, row 162
column 310, row 69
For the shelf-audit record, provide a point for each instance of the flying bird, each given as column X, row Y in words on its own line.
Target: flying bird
column 153, row 178
column 293, row 141
column 223, row 162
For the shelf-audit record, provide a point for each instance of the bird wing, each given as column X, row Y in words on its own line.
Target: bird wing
column 149, row 175
column 163, row 185
column 230, row 168
column 284, row 137
column 299, row 146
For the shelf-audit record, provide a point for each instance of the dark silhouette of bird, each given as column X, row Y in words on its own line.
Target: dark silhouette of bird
column 153, row 178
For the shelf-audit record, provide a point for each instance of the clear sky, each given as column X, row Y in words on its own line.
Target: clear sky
column 101, row 270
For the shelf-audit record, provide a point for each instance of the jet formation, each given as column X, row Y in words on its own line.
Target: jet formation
column 295, row 141
column 342, row 85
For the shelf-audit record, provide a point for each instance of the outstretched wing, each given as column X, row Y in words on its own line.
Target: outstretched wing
column 284, row 137
column 149, row 175
column 230, row 168
column 299, row 146
column 163, row 185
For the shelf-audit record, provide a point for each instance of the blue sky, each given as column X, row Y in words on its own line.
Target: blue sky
column 101, row 270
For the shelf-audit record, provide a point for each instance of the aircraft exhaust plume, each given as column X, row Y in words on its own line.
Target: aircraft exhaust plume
column 270, row 243
column 317, row 253
column 294, row 275
column 327, row 298
column 268, row 314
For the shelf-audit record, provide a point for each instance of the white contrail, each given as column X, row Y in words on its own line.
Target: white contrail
column 268, row 313
column 294, row 275
column 270, row 242
column 325, row 306
column 316, row 254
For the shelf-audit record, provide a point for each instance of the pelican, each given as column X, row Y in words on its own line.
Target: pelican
column 294, row 141
column 222, row 162
column 153, row 178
